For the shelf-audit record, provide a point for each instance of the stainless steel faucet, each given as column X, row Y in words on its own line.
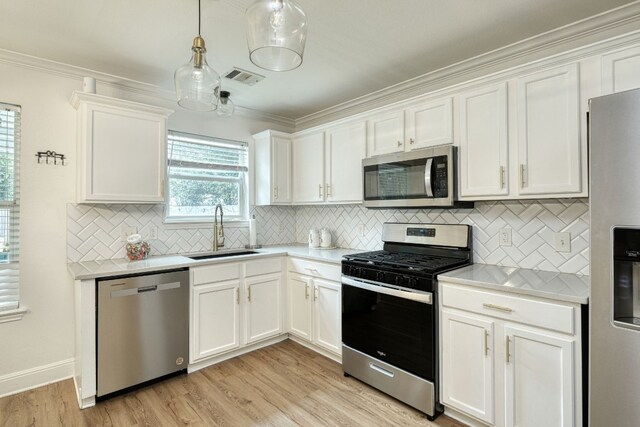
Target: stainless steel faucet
column 218, row 231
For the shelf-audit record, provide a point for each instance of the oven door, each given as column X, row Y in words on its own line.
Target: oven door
column 391, row 325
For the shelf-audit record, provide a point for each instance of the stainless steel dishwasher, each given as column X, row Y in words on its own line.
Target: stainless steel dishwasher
column 143, row 328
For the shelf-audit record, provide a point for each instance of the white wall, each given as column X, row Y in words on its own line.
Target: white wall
column 45, row 335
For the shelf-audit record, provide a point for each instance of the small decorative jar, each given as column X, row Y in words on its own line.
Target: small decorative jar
column 137, row 249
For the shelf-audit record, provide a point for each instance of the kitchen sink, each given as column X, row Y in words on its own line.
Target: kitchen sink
column 222, row 254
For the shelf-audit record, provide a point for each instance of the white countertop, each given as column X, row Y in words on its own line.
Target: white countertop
column 116, row 267
column 545, row 284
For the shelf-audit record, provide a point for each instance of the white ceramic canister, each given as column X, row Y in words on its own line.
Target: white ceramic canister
column 325, row 238
column 314, row 238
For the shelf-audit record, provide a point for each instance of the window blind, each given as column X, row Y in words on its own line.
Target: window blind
column 9, row 206
column 202, row 154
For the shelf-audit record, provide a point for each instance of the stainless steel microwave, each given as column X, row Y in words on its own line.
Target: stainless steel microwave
column 417, row 179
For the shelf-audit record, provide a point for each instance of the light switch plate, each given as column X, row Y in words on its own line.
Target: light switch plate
column 153, row 232
column 504, row 237
column 361, row 230
column 562, row 242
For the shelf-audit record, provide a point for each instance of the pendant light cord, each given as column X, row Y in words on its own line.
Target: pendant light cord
column 199, row 18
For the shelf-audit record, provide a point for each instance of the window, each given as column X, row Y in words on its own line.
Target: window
column 203, row 172
column 9, row 206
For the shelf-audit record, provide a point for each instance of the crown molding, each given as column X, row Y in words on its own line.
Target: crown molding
column 121, row 83
column 609, row 24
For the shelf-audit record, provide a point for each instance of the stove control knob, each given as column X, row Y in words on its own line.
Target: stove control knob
column 413, row 282
column 380, row 276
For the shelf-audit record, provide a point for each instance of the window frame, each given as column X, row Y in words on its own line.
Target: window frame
column 243, row 184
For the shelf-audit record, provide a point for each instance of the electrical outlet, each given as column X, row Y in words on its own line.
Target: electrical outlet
column 280, row 227
column 504, row 237
column 126, row 231
column 153, row 232
column 562, row 242
column 361, row 230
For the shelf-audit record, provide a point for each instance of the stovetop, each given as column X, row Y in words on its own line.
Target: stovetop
column 413, row 262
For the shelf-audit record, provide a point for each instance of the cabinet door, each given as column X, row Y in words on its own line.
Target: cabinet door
column 483, row 149
column 308, row 168
column 538, row 379
column 134, row 141
column 467, row 364
column 299, row 302
column 215, row 319
column 549, row 149
column 263, row 317
column 621, row 71
column 281, row 172
column 327, row 315
column 429, row 124
column 344, row 149
column 385, row 133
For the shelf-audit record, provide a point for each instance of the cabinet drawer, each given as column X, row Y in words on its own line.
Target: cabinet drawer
column 315, row 269
column 263, row 266
column 215, row 273
column 548, row 315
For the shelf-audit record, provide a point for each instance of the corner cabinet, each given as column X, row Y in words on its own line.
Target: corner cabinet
column 128, row 134
column 509, row 360
column 272, row 168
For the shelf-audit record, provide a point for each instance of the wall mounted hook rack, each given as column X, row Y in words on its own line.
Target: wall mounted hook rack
column 46, row 155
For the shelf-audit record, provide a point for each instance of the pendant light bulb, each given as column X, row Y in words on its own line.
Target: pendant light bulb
column 225, row 105
column 276, row 34
column 197, row 84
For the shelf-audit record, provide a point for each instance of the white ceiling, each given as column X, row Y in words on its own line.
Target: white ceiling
column 353, row 47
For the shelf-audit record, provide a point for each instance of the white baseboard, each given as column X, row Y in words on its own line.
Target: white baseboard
column 36, row 377
column 311, row 346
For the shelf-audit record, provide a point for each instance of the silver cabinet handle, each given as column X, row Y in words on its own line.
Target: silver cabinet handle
column 320, row 190
column 238, row 296
column 275, row 192
column 501, row 177
column 312, row 270
column 508, row 349
column 315, row 293
column 498, row 307
column 399, row 143
column 249, row 293
column 521, row 176
column 327, row 188
column 427, row 177
column 486, row 342
column 306, row 291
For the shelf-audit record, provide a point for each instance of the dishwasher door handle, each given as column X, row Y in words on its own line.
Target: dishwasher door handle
column 143, row 289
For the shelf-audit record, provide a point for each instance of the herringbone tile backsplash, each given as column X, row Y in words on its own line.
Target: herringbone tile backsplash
column 93, row 231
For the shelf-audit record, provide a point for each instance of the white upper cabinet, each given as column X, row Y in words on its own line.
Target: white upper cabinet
column 428, row 124
column 621, row 70
column 272, row 168
column 308, row 168
column 128, row 134
column 385, row 133
column 327, row 166
column 550, row 155
column 344, row 151
column 418, row 125
column 483, row 153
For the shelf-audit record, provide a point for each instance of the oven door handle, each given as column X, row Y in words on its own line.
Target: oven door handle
column 425, row 298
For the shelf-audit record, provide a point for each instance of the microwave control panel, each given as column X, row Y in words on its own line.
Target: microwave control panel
column 440, row 177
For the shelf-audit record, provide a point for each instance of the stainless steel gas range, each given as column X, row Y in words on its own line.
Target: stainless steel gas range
column 389, row 310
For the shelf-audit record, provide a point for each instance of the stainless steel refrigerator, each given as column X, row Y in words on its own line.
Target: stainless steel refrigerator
column 614, row 341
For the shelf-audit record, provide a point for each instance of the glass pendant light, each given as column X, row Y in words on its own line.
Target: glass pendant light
column 276, row 34
column 225, row 105
column 196, row 82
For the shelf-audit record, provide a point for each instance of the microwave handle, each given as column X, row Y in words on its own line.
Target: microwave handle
column 427, row 177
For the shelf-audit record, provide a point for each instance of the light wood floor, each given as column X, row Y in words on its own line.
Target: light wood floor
column 282, row 385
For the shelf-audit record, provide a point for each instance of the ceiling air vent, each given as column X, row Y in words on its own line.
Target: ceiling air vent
column 243, row 76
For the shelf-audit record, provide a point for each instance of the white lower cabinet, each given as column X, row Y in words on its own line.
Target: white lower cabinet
column 233, row 305
column 503, row 365
column 315, row 304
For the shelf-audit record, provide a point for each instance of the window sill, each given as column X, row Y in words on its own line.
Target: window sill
column 175, row 225
column 12, row 315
